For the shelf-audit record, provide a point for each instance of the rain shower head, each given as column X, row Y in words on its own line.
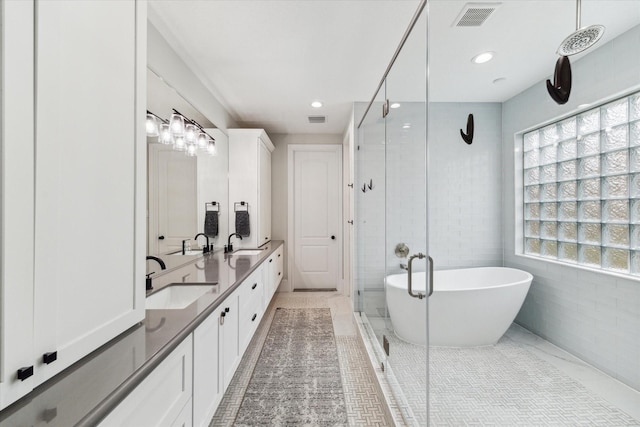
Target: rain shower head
column 581, row 39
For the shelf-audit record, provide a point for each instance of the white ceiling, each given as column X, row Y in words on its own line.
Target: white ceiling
column 268, row 59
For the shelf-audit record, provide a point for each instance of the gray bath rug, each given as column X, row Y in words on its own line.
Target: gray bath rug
column 296, row 381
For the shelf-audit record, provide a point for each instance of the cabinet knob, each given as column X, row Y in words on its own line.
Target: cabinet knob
column 25, row 372
column 278, row 255
column 50, row 357
column 226, row 309
column 160, row 237
column 279, row 273
column 254, row 317
column 333, row 237
column 266, row 238
column 254, row 286
column 271, row 260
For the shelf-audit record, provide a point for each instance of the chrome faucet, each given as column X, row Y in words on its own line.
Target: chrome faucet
column 162, row 267
column 206, row 248
column 229, row 247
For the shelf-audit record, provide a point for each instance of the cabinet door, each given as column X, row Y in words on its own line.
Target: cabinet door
column 278, row 272
column 89, row 188
column 207, row 387
column 229, row 340
column 16, row 204
column 264, row 195
column 161, row 397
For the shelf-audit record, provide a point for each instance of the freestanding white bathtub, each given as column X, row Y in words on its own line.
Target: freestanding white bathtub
column 469, row 307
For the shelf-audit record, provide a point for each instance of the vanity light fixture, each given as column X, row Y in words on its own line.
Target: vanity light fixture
column 185, row 134
column 316, row 104
column 483, row 57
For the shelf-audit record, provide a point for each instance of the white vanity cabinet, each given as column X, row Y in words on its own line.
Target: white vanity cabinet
column 251, row 307
column 73, row 183
column 163, row 398
column 250, row 182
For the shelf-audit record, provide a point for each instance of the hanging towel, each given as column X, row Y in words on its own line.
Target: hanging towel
column 242, row 223
column 211, row 223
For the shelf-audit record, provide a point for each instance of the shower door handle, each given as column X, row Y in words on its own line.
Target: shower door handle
column 430, row 262
column 418, row 295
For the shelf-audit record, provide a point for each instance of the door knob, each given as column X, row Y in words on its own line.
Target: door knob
column 333, row 237
column 160, row 237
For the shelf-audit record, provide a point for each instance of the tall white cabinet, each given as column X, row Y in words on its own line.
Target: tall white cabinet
column 73, row 183
column 250, row 182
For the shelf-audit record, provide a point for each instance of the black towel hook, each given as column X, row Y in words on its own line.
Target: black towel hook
column 370, row 184
column 364, row 187
column 560, row 89
column 468, row 137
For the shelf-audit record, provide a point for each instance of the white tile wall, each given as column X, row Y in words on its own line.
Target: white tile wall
column 464, row 181
column 593, row 315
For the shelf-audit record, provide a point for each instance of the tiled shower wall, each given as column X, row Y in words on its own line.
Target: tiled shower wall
column 593, row 315
column 464, row 186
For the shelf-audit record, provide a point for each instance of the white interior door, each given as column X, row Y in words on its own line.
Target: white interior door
column 316, row 216
column 174, row 216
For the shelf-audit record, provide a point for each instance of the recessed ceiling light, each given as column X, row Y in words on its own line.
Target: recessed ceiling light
column 395, row 105
column 316, row 104
column 483, row 57
column 584, row 106
column 406, row 126
column 499, row 80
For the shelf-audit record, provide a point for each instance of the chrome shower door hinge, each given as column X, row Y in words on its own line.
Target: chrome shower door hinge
column 385, row 108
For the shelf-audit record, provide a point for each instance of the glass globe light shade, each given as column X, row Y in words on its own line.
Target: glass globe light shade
column 151, row 125
column 177, row 124
column 165, row 134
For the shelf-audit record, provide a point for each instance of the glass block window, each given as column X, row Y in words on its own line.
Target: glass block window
column 582, row 188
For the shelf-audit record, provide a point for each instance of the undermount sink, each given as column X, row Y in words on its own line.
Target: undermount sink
column 190, row 252
column 247, row 252
column 175, row 297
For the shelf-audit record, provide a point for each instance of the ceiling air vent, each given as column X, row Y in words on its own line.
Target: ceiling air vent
column 317, row 119
column 475, row 14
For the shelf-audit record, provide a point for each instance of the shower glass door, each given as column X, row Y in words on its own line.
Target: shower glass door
column 391, row 225
column 406, row 242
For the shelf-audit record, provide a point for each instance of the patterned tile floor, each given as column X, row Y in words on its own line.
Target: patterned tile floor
column 521, row 381
column 365, row 406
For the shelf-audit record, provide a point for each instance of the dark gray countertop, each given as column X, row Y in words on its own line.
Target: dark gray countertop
column 87, row 391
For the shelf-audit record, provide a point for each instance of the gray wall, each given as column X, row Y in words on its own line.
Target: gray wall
column 593, row 315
